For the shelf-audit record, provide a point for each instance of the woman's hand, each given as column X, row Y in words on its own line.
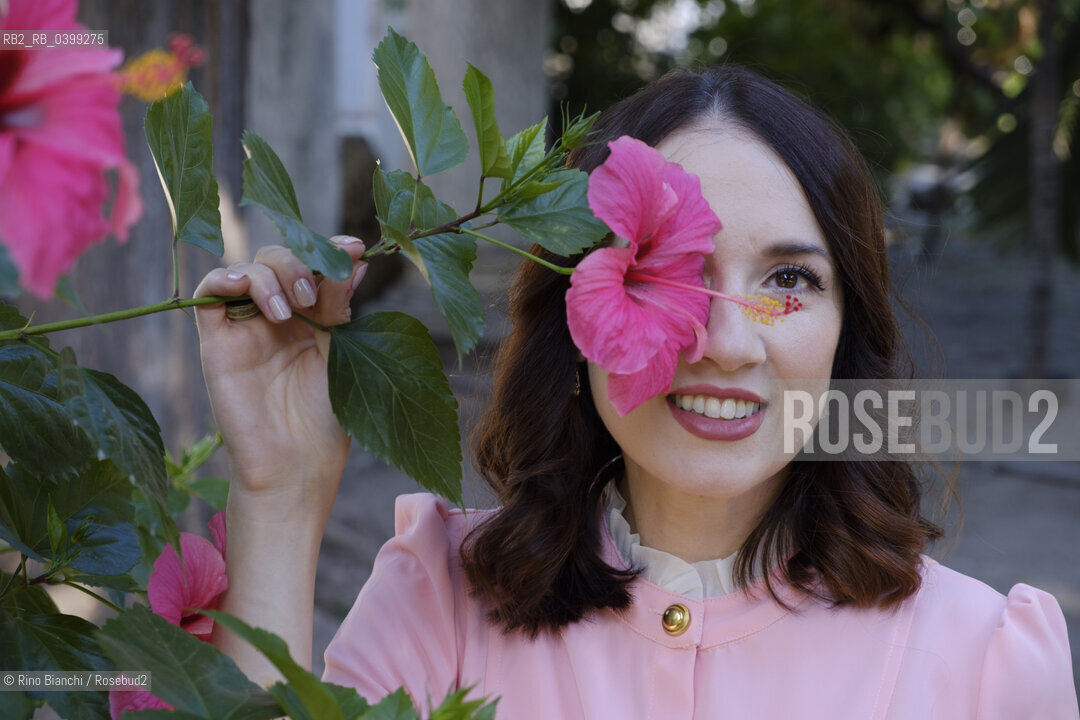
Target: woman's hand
column 267, row 376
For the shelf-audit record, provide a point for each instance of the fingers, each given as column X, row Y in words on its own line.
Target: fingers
column 279, row 283
column 333, row 304
column 226, row 282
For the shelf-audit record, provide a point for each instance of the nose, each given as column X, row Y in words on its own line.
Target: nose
column 734, row 341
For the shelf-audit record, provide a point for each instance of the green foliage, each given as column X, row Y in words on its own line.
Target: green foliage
column 189, row 674
column 494, row 161
column 9, row 274
column 558, row 220
column 93, row 508
column 388, row 390
column 178, row 130
column 117, row 422
column 429, row 127
column 268, row 187
column 34, row 425
column 49, row 640
column 305, row 690
column 444, row 260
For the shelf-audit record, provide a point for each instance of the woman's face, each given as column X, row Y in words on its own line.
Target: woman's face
column 770, row 244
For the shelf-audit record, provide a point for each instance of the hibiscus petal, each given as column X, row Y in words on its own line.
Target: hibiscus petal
column 628, row 391
column 217, row 531
column 121, row 701
column 199, row 585
column 689, row 228
column 606, row 324
column 50, row 212
column 628, row 192
column 44, row 68
column 80, row 118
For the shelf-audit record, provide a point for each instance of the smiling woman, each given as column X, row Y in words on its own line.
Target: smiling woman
column 655, row 553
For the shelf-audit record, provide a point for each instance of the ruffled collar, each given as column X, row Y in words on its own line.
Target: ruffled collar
column 700, row 580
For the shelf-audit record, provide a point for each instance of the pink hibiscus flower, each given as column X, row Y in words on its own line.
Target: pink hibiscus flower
column 60, row 131
column 634, row 308
column 175, row 594
column 121, row 701
column 199, row 585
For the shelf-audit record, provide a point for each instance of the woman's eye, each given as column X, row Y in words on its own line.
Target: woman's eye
column 787, row 279
column 797, row 277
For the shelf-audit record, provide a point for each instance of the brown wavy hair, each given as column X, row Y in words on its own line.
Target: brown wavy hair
column 847, row 531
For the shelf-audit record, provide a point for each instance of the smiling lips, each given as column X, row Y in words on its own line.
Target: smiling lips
column 717, row 413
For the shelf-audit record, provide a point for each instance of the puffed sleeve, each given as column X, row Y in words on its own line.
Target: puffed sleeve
column 401, row 630
column 1027, row 672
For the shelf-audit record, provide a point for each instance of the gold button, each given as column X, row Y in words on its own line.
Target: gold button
column 676, row 619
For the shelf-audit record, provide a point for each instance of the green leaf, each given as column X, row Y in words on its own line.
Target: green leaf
column 18, row 705
column 99, row 499
column 9, row 274
column 29, row 600
column 214, row 490
column 444, row 260
column 116, row 420
column 189, row 674
column 429, row 127
column 455, row 707
column 178, row 130
column 310, row 691
column 34, row 426
column 449, row 258
column 394, row 192
column 494, row 161
column 560, row 220
column 57, row 531
column 56, row 642
column 388, row 390
column 268, row 187
column 395, row 706
column 526, row 151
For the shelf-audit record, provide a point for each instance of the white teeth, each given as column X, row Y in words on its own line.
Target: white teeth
column 717, row 408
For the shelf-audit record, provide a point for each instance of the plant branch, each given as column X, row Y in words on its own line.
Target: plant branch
column 176, row 267
column 25, row 333
column 551, row 266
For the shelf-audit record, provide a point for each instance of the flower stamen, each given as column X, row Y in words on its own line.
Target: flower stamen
column 760, row 308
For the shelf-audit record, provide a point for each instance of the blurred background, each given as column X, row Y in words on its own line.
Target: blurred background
column 967, row 110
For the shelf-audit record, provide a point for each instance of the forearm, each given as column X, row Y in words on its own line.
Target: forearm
column 272, row 553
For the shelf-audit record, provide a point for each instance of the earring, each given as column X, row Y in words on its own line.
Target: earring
column 577, row 381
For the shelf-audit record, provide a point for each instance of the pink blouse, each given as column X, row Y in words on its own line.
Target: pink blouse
column 955, row 650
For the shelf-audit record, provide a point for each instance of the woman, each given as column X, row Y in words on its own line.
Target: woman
column 663, row 562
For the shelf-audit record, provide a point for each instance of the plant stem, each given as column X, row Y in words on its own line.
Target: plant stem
column 759, row 305
column 89, row 592
column 24, row 333
column 551, row 266
column 10, row 582
column 176, row 267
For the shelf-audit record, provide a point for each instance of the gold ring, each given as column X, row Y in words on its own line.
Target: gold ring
column 241, row 309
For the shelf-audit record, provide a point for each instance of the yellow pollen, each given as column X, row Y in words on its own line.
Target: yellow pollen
column 153, row 75
column 762, row 309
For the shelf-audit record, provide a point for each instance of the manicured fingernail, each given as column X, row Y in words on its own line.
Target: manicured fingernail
column 305, row 293
column 234, row 275
column 280, row 308
column 346, row 240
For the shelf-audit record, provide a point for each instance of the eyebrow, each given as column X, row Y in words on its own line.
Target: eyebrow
column 796, row 248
